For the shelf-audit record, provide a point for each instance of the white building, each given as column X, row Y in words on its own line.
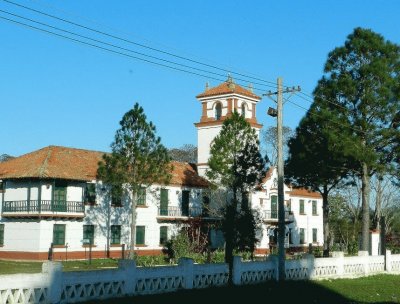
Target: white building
column 52, row 203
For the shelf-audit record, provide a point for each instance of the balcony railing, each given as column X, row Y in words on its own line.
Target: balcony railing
column 42, row 207
column 172, row 211
column 272, row 216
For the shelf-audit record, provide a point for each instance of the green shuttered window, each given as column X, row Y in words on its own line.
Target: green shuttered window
column 314, row 208
column 141, row 197
column 314, row 235
column 59, row 234
column 88, row 233
column 1, row 234
column 115, row 234
column 163, row 235
column 90, row 193
column 140, row 235
column 302, row 207
column 302, row 234
column 274, row 206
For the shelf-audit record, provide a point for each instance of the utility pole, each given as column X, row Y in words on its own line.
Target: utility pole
column 281, row 195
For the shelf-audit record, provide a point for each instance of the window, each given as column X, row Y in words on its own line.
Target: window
column 90, row 193
column 88, row 234
column 302, row 241
column 314, row 208
column 206, row 206
column 60, row 196
column 302, row 207
column 115, row 234
column 218, row 111
column 274, row 207
column 2, row 186
column 164, row 202
column 1, row 234
column 141, row 197
column 116, row 196
column 185, row 203
column 290, row 236
column 59, row 234
column 289, row 205
column 314, row 235
column 140, row 235
column 163, row 235
column 244, row 109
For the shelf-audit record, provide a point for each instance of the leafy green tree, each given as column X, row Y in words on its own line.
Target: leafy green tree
column 312, row 162
column 362, row 79
column 236, row 165
column 138, row 160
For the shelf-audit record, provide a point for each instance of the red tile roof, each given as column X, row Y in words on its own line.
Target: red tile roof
column 78, row 164
column 228, row 87
column 302, row 192
column 185, row 174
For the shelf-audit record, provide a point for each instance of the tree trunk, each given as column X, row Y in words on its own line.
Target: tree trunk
column 325, row 219
column 365, row 189
column 378, row 204
column 133, row 227
column 229, row 241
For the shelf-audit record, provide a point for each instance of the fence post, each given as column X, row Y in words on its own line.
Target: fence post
column 310, row 265
column 339, row 256
column 237, row 270
column 53, row 270
column 129, row 274
column 388, row 260
column 187, row 267
column 274, row 260
column 364, row 256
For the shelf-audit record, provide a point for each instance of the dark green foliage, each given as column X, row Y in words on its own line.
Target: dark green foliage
column 355, row 104
column 138, row 159
column 362, row 82
column 236, row 165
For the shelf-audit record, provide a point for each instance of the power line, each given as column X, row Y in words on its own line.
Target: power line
column 105, row 49
column 130, row 33
column 136, row 43
column 121, row 48
column 319, row 115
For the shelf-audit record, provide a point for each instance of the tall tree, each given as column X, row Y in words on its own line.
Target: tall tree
column 138, row 160
column 269, row 137
column 363, row 79
column 5, row 157
column 311, row 162
column 236, row 165
column 186, row 153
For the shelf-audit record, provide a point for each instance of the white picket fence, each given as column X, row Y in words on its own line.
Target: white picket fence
column 53, row 285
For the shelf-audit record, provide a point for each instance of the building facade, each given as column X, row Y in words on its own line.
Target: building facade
column 53, row 205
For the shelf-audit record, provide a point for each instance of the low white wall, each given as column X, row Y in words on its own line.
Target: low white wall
column 55, row 286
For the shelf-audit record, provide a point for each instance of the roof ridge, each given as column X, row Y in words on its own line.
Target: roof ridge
column 72, row 148
column 42, row 168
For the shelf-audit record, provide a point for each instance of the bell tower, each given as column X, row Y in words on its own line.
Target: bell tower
column 218, row 103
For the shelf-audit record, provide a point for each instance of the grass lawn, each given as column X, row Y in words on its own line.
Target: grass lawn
column 10, row 267
column 375, row 289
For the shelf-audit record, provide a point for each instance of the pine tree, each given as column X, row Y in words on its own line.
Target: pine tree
column 312, row 162
column 236, row 165
column 138, row 160
column 362, row 85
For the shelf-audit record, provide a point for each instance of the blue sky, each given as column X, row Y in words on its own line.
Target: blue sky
column 56, row 92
